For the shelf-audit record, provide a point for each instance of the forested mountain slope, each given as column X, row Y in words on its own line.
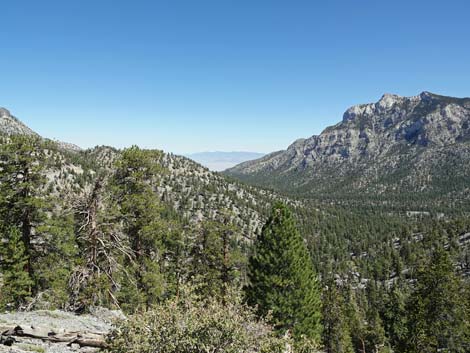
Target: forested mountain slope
column 194, row 195
column 138, row 229
column 191, row 190
column 411, row 152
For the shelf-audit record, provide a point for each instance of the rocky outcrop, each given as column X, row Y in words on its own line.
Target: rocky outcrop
column 370, row 141
column 10, row 125
column 56, row 331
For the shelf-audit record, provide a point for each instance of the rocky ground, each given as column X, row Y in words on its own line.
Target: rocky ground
column 100, row 321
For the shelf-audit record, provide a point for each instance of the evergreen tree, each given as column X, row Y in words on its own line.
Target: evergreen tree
column 375, row 333
column 140, row 215
column 26, row 204
column 176, row 246
column 17, row 283
column 22, row 183
column 282, row 279
column 215, row 259
column 438, row 317
column 58, row 257
column 395, row 317
column 356, row 319
column 336, row 334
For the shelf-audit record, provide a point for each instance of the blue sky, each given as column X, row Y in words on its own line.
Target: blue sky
column 196, row 75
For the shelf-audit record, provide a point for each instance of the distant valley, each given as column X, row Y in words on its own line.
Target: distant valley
column 219, row 161
column 367, row 201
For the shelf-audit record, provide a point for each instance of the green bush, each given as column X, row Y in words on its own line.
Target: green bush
column 193, row 326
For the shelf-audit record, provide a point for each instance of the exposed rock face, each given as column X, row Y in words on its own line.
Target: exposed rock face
column 57, row 322
column 9, row 125
column 372, row 139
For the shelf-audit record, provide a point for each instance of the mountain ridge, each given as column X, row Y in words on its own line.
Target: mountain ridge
column 187, row 187
column 11, row 125
column 388, row 139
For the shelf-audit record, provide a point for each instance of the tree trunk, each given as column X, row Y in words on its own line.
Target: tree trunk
column 84, row 339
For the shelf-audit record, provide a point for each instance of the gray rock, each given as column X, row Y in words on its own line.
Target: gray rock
column 416, row 135
column 10, row 125
column 56, row 320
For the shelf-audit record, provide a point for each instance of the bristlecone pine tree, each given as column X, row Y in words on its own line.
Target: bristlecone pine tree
column 282, row 281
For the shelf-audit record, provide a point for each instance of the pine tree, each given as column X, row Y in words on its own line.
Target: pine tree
column 375, row 333
column 140, row 215
column 215, row 259
column 176, row 246
column 17, row 283
column 336, row 333
column 282, row 279
column 58, row 258
column 395, row 317
column 22, row 204
column 357, row 320
column 438, row 318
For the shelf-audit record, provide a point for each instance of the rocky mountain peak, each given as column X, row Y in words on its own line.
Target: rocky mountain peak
column 9, row 125
column 371, row 139
column 388, row 100
column 4, row 112
column 392, row 107
column 425, row 95
column 419, row 120
column 385, row 104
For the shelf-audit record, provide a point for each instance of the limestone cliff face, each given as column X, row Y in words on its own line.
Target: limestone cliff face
column 371, row 139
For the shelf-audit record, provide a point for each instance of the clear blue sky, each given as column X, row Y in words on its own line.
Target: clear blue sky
column 195, row 75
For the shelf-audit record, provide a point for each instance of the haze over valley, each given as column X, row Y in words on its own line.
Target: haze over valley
column 219, row 161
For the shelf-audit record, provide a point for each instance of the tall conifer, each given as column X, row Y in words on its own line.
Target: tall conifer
column 438, row 314
column 17, row 283
column 282, row 279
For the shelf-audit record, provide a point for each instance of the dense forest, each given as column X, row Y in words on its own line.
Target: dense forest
column 243, row 269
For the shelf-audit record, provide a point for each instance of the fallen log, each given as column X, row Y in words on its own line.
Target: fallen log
column 83, row 339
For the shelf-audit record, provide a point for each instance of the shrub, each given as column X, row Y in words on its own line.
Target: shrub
column 193, row 326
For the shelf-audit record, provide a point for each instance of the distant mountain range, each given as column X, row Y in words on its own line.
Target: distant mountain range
column 407, row 153
column 413, row 150
column 218, row 161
